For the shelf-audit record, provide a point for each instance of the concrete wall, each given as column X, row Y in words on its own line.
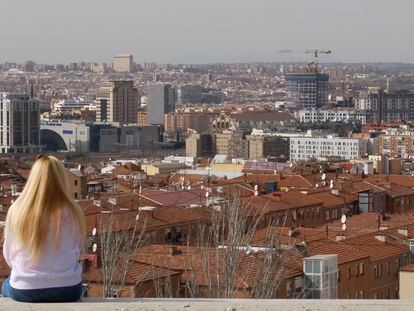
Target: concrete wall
column 406, row 285
column 7, row 304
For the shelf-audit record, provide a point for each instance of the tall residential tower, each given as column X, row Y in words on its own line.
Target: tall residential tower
column 19, row 123
column 308, row 88
column 161, row 100
column 117, row 101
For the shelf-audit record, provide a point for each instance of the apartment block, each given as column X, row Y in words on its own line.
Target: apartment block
column 199, row 145
column 117, row 101
column 123, row 63
column 161, row 100
column 261, row 146
column 307, row 88
column 19, row 123
column 376, row 105
column 322, row 115
column 303, row 148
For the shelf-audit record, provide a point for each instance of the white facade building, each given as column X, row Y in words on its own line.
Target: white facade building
column 123, row 63
column 19, row 123
column 70, row 106
column 319, row 115
column 70, row 136
column 302, row 148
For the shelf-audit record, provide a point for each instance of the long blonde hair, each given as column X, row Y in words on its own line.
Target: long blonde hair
column 45, row 195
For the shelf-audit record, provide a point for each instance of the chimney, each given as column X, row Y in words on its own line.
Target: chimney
column 277, row 195
column 339, row 185
column 380, row 237
column 303, row 249
column 173, row 251
column 403, row 232
column 335, row 192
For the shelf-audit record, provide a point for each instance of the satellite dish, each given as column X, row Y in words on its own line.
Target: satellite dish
column 331, row 186
column 256, row 187
column 94, row 231
column 343, row 219
column 275, row 172
column 317, row 185
column 291, row 164
column 256, row 193
column 343, row 227
column 137, row 217
column 323, row 176
column 94, row 247
column 207, row 194
column 189, row 188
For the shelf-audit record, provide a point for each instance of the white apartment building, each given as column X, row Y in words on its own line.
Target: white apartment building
column 123, row 63
column 319, row 115
column 70, row 106
column 19, row 123
column 303, row 148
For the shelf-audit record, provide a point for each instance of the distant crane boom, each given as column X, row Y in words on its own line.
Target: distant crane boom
column 316, row 52
column 313, row 64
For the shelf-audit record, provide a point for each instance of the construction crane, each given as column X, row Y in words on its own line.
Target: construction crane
column 315, row 63
column 316, row 52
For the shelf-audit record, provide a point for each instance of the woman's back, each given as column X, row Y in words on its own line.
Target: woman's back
column 44, row 229
column 57, row 265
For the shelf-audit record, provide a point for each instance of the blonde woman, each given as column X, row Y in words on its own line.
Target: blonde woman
column 42, row 238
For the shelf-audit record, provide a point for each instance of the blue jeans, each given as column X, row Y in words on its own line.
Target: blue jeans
column 54, row 294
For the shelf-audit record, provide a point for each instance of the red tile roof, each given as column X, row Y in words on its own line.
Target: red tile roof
column 409, row 268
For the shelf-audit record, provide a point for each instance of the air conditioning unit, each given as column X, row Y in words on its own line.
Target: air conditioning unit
column 97, row 203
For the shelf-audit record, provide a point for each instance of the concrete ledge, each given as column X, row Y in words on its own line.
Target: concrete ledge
column 7, row 304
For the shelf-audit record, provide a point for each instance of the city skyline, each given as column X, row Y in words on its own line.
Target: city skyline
column 207, row 32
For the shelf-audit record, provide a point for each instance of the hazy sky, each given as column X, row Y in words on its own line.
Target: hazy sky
column 201, row 31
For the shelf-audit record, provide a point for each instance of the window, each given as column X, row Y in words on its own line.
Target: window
column 348, row 272
column 289, row 290
column 76, row 182
column 361, row 268
column 167, row 235
column 376, row 271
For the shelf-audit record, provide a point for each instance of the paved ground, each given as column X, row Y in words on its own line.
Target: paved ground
column 210, row 304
